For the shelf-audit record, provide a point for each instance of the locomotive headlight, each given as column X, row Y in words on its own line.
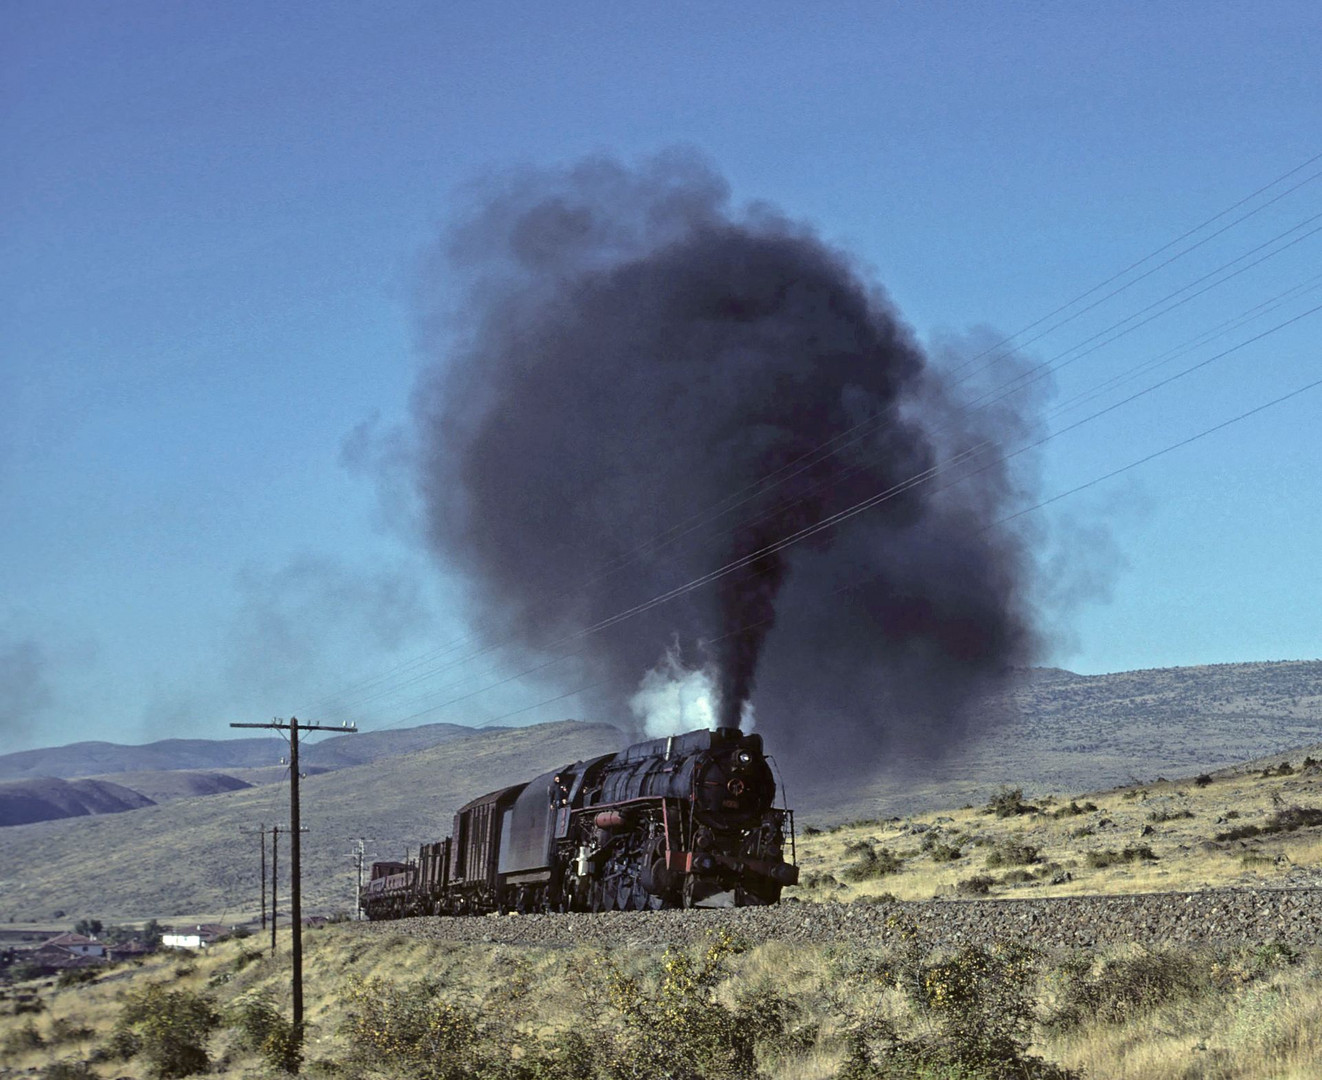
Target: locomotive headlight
column 744, row 758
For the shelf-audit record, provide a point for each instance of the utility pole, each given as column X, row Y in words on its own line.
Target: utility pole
column 262, row 830
column 275, row 880
column 261, row 838
column 358, row 854
column 295, row 884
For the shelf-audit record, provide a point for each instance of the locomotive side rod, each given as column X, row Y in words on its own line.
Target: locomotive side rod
column 296, row 885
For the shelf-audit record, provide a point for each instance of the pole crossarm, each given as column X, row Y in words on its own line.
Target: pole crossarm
column 348, row 729
column 293, row 726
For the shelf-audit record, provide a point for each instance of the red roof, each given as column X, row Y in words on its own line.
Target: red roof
column 70, row 940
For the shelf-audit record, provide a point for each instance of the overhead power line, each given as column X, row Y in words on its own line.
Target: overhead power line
column 863, row 505
column 1136, row 463
column 421, row 668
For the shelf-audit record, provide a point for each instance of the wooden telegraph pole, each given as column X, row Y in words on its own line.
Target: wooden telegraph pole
column 261, row 839
column 295, row 884
column 275, row 881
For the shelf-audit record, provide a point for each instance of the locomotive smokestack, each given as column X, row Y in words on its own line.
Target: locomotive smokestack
column 647, row 386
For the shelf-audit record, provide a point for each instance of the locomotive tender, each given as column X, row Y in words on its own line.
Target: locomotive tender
column 686, row 821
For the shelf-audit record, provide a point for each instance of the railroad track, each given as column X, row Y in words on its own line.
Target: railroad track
column 1214, row 916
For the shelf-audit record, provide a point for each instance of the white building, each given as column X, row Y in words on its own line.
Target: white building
column 199, row 937
column 78, row 944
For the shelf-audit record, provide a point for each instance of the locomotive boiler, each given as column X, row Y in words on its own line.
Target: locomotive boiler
column 687, row 820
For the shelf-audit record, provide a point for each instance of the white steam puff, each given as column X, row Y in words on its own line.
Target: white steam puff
column 673, row 699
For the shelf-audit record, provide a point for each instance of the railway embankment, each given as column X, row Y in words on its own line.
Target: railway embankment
column 1215, row 916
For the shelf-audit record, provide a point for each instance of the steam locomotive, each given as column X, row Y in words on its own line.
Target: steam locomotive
column 684, row 821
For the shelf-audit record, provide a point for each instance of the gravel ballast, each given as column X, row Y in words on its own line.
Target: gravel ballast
column 1218, row 916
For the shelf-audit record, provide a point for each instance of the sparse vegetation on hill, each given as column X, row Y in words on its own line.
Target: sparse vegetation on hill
column 719, row 1009
column 1059, row 731
column 1259, row 824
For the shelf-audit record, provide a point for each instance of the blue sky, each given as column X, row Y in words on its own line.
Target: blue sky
column 215, row 219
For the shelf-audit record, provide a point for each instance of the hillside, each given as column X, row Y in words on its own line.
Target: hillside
column 1254, row 824
column 44, row 798
column 104, row 758
column 1068, row 732
column 137, row 776
column 194, row 855
column 165, row 785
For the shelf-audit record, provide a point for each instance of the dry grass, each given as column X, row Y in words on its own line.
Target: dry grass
column 1177, row 821
column 1250, row 1014
column 1265, row 1029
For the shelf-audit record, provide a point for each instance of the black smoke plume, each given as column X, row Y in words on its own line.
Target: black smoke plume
column 643, row 386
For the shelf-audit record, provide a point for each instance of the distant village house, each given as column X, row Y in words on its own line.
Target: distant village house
column 77, row 944
column 199, row 937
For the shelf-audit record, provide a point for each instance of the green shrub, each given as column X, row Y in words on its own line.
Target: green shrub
column 1203, row 779
column 1158, row 816
column 980, row 1003
column 563, row 1055
column 75, row 977
column 122, row 1044
column 1112, row 991
column 1010, row 853
column 872, row 863
column 64, row 1030
column 1295, row 817
column 1138, row 853
column 1074, row 809
column 675, row 1028
column 1240, row 832
column 1287, row 820
column 415, row 1031
column 246, row 957
column 23, row 1038
column 978, row 885
column 1009, row 802
column 944, row 852
column 67, row 1070
column 169, row 1028
column 1272, row 955
column 940, row 847
column 264, row 1029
